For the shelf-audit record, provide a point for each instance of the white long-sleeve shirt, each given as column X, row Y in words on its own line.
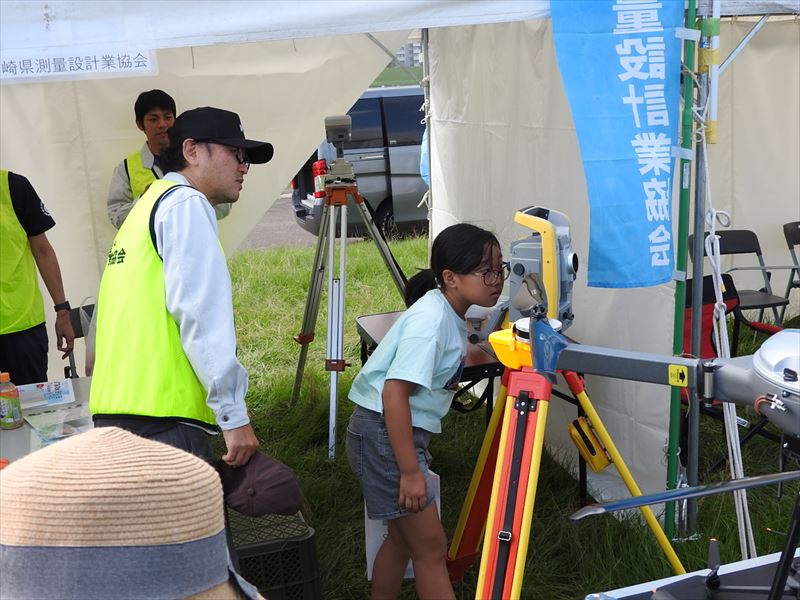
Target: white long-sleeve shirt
column 199, row 298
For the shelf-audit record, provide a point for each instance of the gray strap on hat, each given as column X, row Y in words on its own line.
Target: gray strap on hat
column 98, row 572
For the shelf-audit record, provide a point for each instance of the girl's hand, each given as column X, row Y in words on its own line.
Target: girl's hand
column 413, row 491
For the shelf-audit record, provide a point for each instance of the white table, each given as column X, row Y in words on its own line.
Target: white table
column 16, row 443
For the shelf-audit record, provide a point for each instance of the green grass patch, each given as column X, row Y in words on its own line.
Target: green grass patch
column 398, row 76
column 565, row 559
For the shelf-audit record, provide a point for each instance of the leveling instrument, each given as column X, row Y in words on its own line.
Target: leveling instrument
column 533, row 352
column 336, row 186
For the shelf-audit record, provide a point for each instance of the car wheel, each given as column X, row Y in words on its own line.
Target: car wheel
column 384, row 220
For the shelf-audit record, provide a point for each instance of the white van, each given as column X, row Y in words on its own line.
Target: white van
column 384, row 149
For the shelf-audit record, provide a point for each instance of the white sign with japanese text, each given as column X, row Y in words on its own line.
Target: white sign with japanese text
column 50, row 65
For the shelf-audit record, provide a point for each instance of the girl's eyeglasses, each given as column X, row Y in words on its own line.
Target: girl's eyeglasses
column 493, row 277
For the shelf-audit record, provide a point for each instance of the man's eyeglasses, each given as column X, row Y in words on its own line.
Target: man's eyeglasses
column 241, row 156
column 239, row 153
column 492, row 277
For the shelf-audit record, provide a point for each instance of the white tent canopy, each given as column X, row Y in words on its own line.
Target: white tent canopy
column 39, row 25
column 32, row 25
column 502, row 133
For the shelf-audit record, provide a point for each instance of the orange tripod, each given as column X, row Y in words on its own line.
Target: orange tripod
column 511, row 451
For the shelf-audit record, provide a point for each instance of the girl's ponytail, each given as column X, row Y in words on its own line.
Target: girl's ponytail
column 419, row 285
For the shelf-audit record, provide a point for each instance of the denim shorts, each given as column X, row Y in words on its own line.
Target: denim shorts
column 372, row 460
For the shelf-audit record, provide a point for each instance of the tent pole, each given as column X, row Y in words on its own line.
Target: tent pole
column 726, row 63
column 426, row 89
column 687, row 123
column 697, row 305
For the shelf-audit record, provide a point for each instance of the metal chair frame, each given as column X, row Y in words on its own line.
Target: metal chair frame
column 743, row 242
column 791, row 231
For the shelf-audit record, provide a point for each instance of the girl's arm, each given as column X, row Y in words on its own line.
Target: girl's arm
column 397, row 413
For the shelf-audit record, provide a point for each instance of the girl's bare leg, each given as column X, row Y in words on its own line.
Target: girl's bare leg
column 423, row 535
column 389, row 568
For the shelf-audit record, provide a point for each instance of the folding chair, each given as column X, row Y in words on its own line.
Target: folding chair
column 744, row 242
column 80, row 318
column 791, row 231
column 730, row 297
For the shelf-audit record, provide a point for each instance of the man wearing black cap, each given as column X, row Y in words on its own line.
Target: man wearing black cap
column 166, row 365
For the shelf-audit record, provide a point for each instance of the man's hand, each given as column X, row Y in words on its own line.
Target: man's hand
column 241, row 443
column 65, row 336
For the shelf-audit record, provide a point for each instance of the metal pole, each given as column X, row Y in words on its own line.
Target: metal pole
column 697, row 306
column 388, row 258
column 687, row 122
column 306, row 335
column 426, row 85
column 335, row 318
column 726, row 63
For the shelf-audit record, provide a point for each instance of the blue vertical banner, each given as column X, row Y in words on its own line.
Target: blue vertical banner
column 620, row 62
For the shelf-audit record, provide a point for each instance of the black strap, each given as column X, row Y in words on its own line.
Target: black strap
column 523, row 405
column 153, row 214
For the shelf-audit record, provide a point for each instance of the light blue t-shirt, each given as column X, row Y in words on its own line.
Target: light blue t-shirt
column 427, row 345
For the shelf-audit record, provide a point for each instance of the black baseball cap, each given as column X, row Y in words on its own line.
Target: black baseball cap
column 209, row 124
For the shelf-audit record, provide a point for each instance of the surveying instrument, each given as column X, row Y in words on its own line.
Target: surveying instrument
column 335, row 186
column 498, row 507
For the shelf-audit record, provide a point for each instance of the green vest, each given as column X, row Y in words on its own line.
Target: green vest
column 21, row 304
column 139, row 176
column 141, row 368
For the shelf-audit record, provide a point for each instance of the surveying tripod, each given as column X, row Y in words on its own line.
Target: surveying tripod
column 340, row 186
column 501, row 494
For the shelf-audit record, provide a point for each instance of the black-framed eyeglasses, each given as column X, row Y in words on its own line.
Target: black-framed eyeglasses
column 239, row 153
column 493, row 277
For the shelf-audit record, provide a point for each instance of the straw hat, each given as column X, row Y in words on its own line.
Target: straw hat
column 108, row 514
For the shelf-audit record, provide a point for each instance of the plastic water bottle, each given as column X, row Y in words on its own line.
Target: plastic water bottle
column 10, row 408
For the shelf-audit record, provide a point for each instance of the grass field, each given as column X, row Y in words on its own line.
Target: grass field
column 565, row 560
column 398, row 76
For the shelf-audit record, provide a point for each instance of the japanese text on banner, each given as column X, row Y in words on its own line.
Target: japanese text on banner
column 620, row 62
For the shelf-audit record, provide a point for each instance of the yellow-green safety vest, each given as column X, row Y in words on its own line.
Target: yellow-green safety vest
column 21, row 304
column 141, row 368
column 139, row 176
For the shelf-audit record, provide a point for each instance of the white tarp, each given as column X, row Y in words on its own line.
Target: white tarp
column 510, row 142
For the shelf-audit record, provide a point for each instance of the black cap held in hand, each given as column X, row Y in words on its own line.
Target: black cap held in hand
column 263, row 486
column 209, row 124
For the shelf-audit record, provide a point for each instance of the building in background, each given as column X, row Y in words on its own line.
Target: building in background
column 409, row 55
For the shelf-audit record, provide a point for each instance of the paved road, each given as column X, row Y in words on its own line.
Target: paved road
column 278, row 228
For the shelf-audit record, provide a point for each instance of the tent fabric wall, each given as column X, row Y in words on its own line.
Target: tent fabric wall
column 67, row 137
column 755, row 166
column 502, row 138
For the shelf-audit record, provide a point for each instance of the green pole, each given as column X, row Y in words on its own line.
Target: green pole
column 687, row 126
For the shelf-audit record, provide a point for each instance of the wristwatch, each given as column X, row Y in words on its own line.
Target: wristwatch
column 62, row 306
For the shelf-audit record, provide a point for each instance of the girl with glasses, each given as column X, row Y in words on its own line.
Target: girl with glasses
column 401, row 395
